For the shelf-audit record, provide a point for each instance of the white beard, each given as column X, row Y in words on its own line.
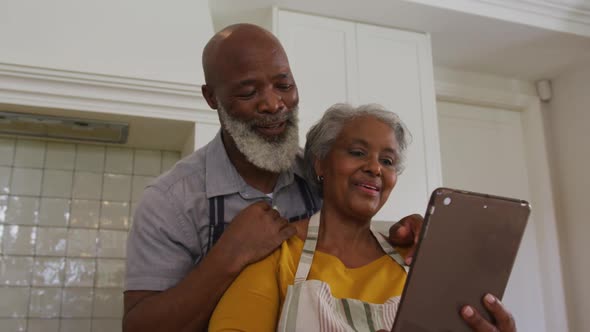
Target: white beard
column 275, row 156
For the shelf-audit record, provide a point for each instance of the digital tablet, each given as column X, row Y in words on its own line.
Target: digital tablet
column 467, row 248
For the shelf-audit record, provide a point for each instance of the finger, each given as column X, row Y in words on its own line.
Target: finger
column 264, row 205
column 400, row 234
column 475, row 321
column 504, row 319
column 416, row 229
column 274, row 214
column 286, row 232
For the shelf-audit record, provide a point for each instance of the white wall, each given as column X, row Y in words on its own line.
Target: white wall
column 156, row 40
column 506, row 93
column 568, row 117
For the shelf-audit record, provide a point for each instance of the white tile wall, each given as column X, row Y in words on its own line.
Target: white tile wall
column 15, row 301
column 114, row 215
column 147, row 162
column 6, row 151
column 119, row 161
column 13, row 324
column 3, row 208
column 29, row 154
column 116, row 187
column 54, row 212
column 106, row 325
column 43, row 325
column 19, row 240
column 48, row 271
column 110, row 273
column 65, row 210
column 80, row 272
column 45, row 302
column 51, row 241
column 84, row 213
column 22, row 210
column 60, row 156
column 16, row 271
column 139, row 183
column 87, row 185
column 77, row 302
column 5, row 179
column 57, row 183
column 82, row 242
column 108, row 303
column 26, row 181
column 75, row 325
column 90, row 158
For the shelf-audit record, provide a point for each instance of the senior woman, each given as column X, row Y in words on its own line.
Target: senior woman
column 336, row 274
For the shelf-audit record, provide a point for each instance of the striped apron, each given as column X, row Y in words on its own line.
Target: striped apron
column 310, row 306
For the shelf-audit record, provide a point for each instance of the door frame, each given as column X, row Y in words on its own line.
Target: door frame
column 540, row 185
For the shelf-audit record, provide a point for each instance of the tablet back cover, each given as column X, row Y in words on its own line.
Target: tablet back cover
column 468, row 245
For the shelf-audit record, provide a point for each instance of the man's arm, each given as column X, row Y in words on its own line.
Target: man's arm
column 253, row 234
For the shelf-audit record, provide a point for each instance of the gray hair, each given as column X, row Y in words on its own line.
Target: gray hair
column 323, row 134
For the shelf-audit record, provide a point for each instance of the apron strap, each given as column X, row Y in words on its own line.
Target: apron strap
column 311, row 241
column 216, row 220
column 310, row 205
column 308, row 249
column 389, row 250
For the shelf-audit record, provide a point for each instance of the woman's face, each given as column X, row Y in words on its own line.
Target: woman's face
column 359, row 171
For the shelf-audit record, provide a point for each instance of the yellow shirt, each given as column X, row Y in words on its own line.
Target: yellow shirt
column 253, row 301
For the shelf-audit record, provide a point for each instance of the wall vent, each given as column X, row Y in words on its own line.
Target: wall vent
column 45, row 126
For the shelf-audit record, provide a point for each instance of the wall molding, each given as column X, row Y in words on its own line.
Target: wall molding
column 563, row 10
column 558, row 15
column 459, row 93
column 69, row 90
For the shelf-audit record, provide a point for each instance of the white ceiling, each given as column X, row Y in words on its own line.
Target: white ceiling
column 460, row 40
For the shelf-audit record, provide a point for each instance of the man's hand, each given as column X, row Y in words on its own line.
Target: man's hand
column 504, row 320
column 405, row 233
column 254, row 233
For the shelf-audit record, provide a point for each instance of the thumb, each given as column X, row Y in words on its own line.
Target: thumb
column 400, row 234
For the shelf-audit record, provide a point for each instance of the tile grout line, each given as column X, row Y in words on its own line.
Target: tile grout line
column 68, row 227
column 36, row 238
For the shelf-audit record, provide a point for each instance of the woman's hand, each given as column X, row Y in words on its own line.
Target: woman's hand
column 504, row 320
column 405, row 233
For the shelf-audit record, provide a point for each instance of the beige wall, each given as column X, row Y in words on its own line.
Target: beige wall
column 568, row 123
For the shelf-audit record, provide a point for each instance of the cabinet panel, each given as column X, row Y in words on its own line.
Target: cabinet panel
column 340, row 61
column 322, row 57
column 395, row 70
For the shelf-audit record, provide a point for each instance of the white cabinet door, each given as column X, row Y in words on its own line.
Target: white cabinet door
column 395, row 70
column 339, row 61
column 322, row 56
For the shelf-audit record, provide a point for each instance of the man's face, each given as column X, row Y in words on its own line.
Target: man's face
column 257, row 87
column 256, row 97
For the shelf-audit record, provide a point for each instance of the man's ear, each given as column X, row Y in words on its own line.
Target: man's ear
column 317, row 167
column 209, row 95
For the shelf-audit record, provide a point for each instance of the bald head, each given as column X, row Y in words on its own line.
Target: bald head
column 234, row 43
